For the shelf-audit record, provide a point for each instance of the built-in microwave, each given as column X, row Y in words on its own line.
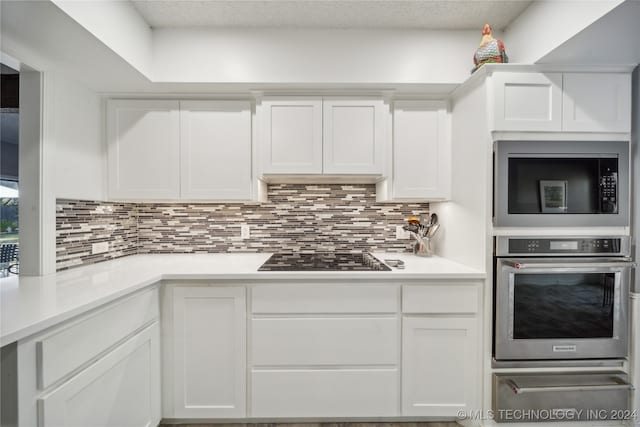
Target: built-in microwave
column 561, row 183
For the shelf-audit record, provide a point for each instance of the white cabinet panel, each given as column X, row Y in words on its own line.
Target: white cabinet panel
column 324, row 393
column 120, row 389
column 527, row 101
column 209, row 354
column 69, row 348
column 353, row 136
column 143, row 140
column 291, row 135
column 421, row 151
column 440, row 370
column 596, row 102
column 324, row 341
column 215, row 140
column 324, row 298
column 441, row 299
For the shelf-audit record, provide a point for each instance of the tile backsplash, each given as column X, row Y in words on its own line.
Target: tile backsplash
column 296, row 218
column 80, row 224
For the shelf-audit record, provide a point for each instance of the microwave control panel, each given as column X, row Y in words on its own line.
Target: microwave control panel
column 566, row 246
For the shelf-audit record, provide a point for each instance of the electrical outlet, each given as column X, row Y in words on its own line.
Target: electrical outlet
column 100, row 248
column 245, row 232
column 402, row 234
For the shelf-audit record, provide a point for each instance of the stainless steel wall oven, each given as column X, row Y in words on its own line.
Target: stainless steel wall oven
column 560, row 298
column 561, row 183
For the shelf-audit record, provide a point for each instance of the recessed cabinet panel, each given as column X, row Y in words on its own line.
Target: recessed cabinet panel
column 292, row 136
column 324, row 393
column 120, row 389
column 439, row 368
column 527, row 101
column 596, row 102
column 324, row 341
column 215, row 150
column 143, row 147
column 209, row 352
column 353, row 136
column 421, row 152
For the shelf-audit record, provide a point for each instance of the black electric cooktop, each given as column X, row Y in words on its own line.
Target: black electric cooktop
column 323, row 261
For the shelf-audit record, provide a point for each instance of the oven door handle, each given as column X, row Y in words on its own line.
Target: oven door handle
column 569, row 388
column 607, row 264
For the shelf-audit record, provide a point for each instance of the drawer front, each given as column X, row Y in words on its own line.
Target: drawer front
column 324, row 393
column 454, row 298
column 562, row 397
column 120, row 389
column 60, row 353
column 328, row 341
column 324, row 298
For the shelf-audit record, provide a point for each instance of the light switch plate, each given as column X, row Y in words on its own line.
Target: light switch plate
column 99, row 248
column 402, row 234
column 245, row 232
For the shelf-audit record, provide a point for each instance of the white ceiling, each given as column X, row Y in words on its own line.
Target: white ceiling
column 373, row 14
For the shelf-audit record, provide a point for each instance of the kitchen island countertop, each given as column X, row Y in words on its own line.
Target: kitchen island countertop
column 29, row 305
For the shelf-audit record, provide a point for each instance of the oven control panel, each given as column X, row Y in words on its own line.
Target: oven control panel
column 554, row 246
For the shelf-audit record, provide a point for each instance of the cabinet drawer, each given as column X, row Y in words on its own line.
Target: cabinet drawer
column 454, row 298
column 324, row 393
column 329, row 341
column 63, row 351
column 300, row 298
column 120, row 389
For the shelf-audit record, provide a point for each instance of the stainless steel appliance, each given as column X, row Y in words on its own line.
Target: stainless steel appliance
column 561, row 298
column 323, row 261
column 561, row 397
column 561, row 183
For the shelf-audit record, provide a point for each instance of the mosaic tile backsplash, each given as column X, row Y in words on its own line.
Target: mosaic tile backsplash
column 80, row 224
column 296, row 218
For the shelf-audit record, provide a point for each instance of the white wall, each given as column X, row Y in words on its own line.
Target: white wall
column 118, row 25
column 312, row 56
column 466, row 218
column 74, row 116
column 546, row 24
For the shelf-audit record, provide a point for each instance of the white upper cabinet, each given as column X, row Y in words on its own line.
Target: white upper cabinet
column 596, row 102
column 421, row 151
column 291, row 136
column 315, row 135
column 215, row 144
column 561, row 102
column 527, row 101
column 179, row 150
column 143, row 139
column 353, row 136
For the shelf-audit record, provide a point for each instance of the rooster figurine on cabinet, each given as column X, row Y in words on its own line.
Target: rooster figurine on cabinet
column 490, row 50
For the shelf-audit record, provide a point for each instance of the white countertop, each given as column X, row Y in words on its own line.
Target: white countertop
column 31, row 304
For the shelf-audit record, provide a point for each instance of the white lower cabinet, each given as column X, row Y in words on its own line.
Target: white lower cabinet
column 209, row 352
column 120, row 389
column 439, row 369
column 440, row 348
column 338, row 392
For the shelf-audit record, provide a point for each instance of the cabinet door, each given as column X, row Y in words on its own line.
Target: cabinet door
column 291, row 141
column 209, row 353
column 143, row 149
column 215, row 138
column 120, row 389
column 421, row 151
column 440, row 368
column 354, row 132
column 596, row 102
column 527, row 101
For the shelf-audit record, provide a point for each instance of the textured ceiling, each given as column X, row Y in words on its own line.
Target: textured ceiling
column 382, row 14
